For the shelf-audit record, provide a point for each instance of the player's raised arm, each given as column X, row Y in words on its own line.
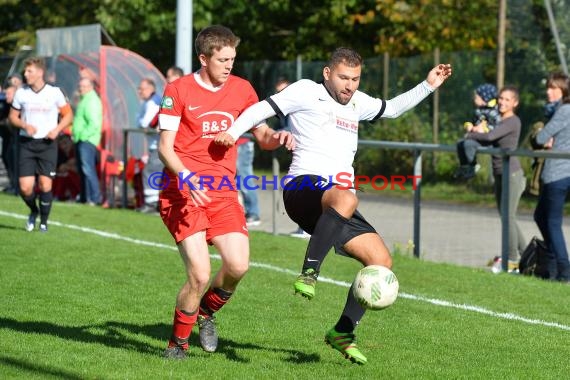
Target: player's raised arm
column 438, row 75
column 409, row 99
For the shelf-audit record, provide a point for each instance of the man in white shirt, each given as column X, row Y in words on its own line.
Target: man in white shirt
column 41, row 111
column 324, row 119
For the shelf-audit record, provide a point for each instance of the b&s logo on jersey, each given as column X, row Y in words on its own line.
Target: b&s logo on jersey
column 214, row 122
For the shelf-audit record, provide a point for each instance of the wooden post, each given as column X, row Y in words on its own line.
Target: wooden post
column 435, row 116
column 386, row 79
column 501, row 44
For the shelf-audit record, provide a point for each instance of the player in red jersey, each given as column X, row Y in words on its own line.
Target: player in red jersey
column 199, row 201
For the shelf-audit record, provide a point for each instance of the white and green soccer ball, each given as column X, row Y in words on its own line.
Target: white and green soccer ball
column 375, row 287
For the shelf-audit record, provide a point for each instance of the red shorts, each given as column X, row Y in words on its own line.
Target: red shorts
column 221, row 216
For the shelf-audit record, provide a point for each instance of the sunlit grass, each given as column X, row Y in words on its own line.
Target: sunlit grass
column 93, row 299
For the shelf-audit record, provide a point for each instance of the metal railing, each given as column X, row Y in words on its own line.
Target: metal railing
column 417, row 149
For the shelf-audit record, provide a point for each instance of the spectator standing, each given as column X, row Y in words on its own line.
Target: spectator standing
column 174, row 73
column 15, row 80
column 86, row 135
column 555, row 177
column 245, row 156
column 36, row 110
column 506, row 136
column 555, row 84
column 149, row 109
column 8, row 134
column 194, row 110
column 284, row 125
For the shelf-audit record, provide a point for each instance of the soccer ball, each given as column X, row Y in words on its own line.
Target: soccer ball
column 375, row 287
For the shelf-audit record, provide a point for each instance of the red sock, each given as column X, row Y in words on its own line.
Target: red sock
column 181, row 328
column 213, row 300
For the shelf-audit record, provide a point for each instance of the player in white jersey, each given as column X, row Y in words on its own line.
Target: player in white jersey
column 324, row 119
column 36, row 111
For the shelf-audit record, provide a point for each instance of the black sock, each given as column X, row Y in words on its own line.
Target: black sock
column 328, row 227
column 30, row 201
column 351, row 315
column 45, row 206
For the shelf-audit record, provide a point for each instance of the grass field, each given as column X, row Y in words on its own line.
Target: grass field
column 93, row 299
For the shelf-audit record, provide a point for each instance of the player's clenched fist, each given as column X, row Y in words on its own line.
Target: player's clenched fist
column 224, row 139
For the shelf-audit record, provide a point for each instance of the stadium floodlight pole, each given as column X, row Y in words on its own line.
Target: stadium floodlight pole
column 554, row 30
column 184, row 35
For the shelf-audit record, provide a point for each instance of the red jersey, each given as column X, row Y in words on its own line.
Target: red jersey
column 198, row 114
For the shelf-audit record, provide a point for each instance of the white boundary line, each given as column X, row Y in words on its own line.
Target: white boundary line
column 433, row 301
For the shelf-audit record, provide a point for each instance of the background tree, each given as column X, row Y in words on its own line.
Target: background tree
column 272, row 30
column 421, row 26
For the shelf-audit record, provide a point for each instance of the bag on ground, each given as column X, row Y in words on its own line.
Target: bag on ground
column 534, row 259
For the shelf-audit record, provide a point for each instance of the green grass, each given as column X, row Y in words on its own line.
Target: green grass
column 81, row 304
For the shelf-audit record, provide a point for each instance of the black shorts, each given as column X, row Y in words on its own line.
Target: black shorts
column 302, row 198
column 37, row 156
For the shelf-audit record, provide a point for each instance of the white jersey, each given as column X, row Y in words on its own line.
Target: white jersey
column 40, row 109
column 325, row 131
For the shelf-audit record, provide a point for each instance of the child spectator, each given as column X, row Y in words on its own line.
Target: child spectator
column 486, row 118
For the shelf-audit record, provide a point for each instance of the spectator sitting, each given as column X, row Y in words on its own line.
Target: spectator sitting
column 66, row 184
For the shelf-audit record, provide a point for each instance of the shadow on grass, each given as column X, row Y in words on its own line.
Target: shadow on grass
column 110, row 334
column 28, row 367
column 8, row 227
column 117, row 335
column 230, row 349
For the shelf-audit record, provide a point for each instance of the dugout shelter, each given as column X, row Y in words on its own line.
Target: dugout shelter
column 87, row 50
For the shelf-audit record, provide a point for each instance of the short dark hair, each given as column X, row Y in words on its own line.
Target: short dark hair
column 557, row 80
column 344, row 55
column 39, row 62
column 561, row 81
column 149, row 81
column 214, row 38
column 511, row 88
column 177, row 71
column 282, row 81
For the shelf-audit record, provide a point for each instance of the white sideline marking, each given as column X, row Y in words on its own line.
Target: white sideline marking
column 433, row 301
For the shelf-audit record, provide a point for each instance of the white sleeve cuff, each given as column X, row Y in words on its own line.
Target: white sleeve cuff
column 168, row 122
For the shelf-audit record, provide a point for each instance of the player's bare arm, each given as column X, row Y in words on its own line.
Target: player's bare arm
column 171, row 160
column 64, row 122
column 269, row 139
column 17, row 122
column 438, row 75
